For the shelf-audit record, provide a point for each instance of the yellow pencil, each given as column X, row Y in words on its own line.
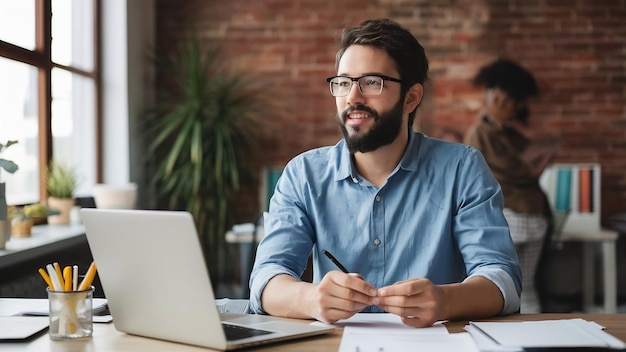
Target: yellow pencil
column 67, row 278
column 46, row 278
column 89, row 276
column 57, row 269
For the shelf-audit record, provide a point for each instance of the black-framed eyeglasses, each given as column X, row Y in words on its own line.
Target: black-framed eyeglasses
column 340, row 86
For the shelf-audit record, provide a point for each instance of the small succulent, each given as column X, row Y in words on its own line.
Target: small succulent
column 35, row 210
column 19, row 215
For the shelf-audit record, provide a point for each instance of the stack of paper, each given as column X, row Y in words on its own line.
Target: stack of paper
column 386, row 332
column 517, row 336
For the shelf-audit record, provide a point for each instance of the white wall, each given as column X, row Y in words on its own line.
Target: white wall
column 127, row 39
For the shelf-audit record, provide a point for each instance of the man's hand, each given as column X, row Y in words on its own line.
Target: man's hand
column 340, row 296
column 421, row 303
column 417, row 301
column 337, row 296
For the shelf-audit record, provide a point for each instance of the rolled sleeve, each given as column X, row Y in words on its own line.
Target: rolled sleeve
column 261, row 278
column 507, row 287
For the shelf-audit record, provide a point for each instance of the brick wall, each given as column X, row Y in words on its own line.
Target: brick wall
column 575, row 48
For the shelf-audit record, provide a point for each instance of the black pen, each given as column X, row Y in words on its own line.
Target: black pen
column 337, row 263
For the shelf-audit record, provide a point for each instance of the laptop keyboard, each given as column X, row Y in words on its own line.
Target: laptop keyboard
column 236, row 332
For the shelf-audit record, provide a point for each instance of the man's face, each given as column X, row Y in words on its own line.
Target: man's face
column 369, row 122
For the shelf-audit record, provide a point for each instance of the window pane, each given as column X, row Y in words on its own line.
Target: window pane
column 72, row 33
column 17, row 22
column 73, row 126
column 19, row 121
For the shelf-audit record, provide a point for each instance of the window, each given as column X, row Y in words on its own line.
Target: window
column 49, row 91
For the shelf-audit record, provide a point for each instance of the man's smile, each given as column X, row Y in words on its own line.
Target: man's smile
column 357, row 117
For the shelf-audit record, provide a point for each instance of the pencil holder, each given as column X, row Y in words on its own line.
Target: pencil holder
column 70, row 314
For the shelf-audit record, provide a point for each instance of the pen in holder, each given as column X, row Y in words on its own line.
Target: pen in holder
column 70, row 313
column 70, row 302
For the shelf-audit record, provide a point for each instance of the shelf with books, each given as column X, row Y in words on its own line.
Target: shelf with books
column 574, row 188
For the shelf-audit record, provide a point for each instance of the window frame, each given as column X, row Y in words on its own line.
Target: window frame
column 41, row 59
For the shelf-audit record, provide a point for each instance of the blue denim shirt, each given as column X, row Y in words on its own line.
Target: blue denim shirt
column 438, row 216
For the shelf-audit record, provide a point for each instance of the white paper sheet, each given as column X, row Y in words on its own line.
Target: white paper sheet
column 487, row 344
column 391, row 322
column 545, row 333
column 17, row 328
column 458, row 342
column 385, row 332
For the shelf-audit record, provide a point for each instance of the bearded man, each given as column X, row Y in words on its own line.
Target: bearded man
column 414, row 223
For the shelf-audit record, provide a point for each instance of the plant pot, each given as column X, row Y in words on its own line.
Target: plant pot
column 115, row 196
column 40, row 220
column 64, row 206
column 5, row 224
column 21, row 228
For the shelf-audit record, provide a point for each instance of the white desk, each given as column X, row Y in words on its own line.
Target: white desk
column 603, row 242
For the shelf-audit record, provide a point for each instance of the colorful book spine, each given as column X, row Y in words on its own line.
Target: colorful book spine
column 585, row 190
column 563, row 189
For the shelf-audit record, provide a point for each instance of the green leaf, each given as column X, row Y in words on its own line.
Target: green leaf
column 8, row 165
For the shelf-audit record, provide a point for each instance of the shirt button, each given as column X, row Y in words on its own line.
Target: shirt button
column 378, row 198
column 377, row 241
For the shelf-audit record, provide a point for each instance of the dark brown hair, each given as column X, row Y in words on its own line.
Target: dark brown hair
column 509, row 76
column 400, row 45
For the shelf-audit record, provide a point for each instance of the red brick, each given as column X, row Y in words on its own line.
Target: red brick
column 576, row 49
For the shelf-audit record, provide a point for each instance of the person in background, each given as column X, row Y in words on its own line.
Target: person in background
column 517, row 156
column 417, row 222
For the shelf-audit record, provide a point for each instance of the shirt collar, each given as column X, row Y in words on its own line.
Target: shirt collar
column 409, row 161
column 345, row 168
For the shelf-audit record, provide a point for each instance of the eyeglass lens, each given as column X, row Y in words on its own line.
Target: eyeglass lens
column 368, row 85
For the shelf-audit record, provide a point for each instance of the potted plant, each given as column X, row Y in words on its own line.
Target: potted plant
column 5, row 225
column 21, row 223
column 200, row 141
column 61, row 182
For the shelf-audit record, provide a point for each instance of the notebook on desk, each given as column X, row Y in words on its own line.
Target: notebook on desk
column 155, row 279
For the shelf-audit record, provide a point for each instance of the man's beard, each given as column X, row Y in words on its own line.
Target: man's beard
column 385, row 130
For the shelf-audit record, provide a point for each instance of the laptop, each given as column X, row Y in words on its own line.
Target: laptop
column 154, row 277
